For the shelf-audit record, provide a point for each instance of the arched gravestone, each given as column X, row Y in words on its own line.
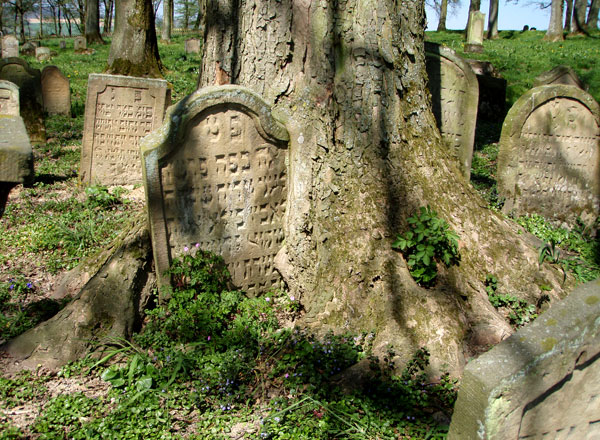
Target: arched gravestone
column 10, row 46
column 56, row 91
column 548, row 161
column 455, row 94
column 215, row 174
column 29, row 82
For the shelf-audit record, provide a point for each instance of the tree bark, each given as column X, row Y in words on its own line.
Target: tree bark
column 92, row 22
column 167, row 20
column 474, row 5
column 109, row 6
column 492, row 32
column 592, row 18
column 555, row 28
column 347, row 78
column 569, row 16
column 134, row 48
column 579, row 11
column 443, row 15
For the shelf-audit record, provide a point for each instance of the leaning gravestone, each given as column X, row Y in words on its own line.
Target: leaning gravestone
column 119, row 111
column 10, row 46
column 42, row 53
column 62, row 44
column 559, row 75
column 541, row 383
column 492, row 91
column 16, row 156
column 79, row 44
column 192, row 45
column 28, row 80
column 215, row 175
column 56, row 91
column 454, row 92
column 475, row 32
column 548, row 160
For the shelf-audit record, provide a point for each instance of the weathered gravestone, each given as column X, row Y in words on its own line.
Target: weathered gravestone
column 28, row 48
column 42, row 53
column 192, row 45
column 56, row 91
column 454, row 92
column 79, row 44
column 559, row 75
column 541, row 383
column 119, row 111
column 475, row 32
column 10, row 46
column 215, row 174
column 548, row 160
column 16, row 156
column 492, row 91
column 29, row 82
column 62, row 44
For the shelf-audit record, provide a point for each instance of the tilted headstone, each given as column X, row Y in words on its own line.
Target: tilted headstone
column 42, row 53
column 28, row 48
column 559, row 75
column 454, row 92
column 29, row 82
column 16, row 156
column 192, row 45
column 475, row 32
column 119, row 111
column 10, row 46
column 541, row 383
column 56, row 91
column 492, row 91
column 62, row 44
column 215, row 174
column 548, row 160
column 79, row 44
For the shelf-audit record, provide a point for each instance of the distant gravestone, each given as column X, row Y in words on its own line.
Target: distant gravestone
column 16, row 156
column 548, row 161
column 56, row 91
column 79, row 44
column 62, row 44
column 28, row 48
column 28, row 80
column 559, row 75
column 543, row 382
column 454, row 92
column 119, row 111
column 475, row 32
column 42, row 53
column 215, row 175
column 192, row 45
column 10, row 46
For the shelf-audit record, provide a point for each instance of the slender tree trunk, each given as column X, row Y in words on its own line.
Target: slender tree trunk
column 92, row 22
column 569, row 16
column 186, row 14
column 201, row 13
column 592, row 18
column 579, row 12
column 167, row 23
column 492, row 32
column 443, row 15
column 474, row 5
column 41, row 19
column 81, row 7
column 555, row 28
column 2, row 16
column 108, row 15
column 20, row 22
column 348, row 80
column 134, row 48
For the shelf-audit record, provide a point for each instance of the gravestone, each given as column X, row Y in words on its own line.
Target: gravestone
column 119, row 111
column 192, row 45
column 559, row 75
column 543, row 382
column 215, row 174
column 42, row 53
column 29, row 82
column 56, row 91
column 16, row 156
column 10, row 46
column 62, row 44
column 28, row 48
column 475, row 32
column 548, row 160
column 492, row 91
column 79, row 44
column 454, row 93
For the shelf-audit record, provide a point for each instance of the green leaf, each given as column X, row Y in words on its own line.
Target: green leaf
column 145, row 383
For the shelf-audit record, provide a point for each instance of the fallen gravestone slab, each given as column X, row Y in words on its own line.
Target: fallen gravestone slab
column 119, row 111
column 543, row 382
column 454, row 93
column 10, row 46
column 215, row 175
column 56, row 91
column 548, row 160
column 559, row 75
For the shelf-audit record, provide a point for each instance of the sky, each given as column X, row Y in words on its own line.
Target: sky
column 511, row 16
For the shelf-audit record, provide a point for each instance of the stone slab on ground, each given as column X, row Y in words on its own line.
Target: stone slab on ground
column 543, row 382
column 119, row 111
column 215, row 174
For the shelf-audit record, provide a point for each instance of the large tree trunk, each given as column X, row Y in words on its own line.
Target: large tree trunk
column 555, row 28
column 347, row 78
column 492, row 32
column 134, row 49
column 579, row 11
column 167, row 20
column 592, row 18
column 569, row 16
column 92, row 22
column 443, row 15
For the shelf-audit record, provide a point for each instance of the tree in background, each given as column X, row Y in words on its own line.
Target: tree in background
column 167, row 20
column 92, row 22
column 592, row 18
column 492, row 31
column 474, row 5
column 569, row 16
column 109, row 6
column 441, row 8
column 555, row 27
column 579, row 13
